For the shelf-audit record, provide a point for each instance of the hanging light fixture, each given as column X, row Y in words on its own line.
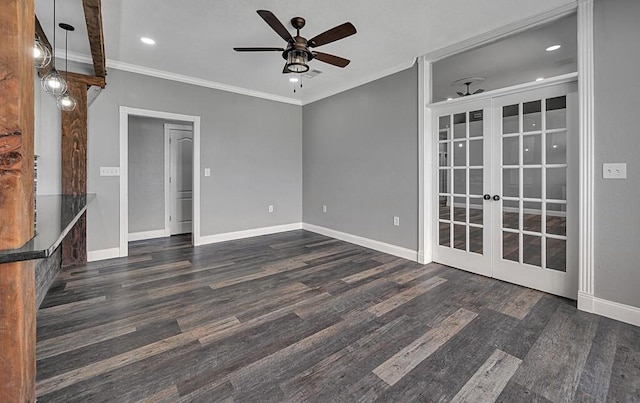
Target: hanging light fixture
column 53, row 83
column 41, row 54
column 65, row 101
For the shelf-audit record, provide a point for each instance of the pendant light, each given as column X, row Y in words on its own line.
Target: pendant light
column 65, row 101
column 53, row 83
column 41, row 54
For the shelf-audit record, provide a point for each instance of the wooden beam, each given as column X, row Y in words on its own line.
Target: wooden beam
column 74, row 170
column 17, row 280
column 41, row 35
column 93, row 17
column 85, row 79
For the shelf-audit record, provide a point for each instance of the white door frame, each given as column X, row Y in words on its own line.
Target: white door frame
column 586, row 148
column 167, row 173
column 125, row 112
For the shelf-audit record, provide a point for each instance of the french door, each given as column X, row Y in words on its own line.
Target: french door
column 507, row 187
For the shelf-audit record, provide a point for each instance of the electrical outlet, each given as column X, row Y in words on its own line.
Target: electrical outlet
column 396, row 221
column 207, row 172
column 324, row 209
column 614, row 171
column 271, row 208
column 109, row 171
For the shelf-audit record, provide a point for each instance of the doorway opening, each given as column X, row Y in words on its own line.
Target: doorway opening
column 159, row 187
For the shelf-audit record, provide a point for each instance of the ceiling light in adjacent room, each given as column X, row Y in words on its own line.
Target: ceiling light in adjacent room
column 552, row 48
column 449, row 99
column 539, row 78
column 147, row 41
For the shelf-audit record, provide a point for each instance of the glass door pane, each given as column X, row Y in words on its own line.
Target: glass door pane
column 534, row 179
column 461, row 180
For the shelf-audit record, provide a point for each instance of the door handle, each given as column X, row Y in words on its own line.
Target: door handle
column 496, row 197
column 487, row 197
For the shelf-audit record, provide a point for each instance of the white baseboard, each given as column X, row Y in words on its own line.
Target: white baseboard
column 366, row 242
column 610, row 309
column 141, row 236
column 103, row 254
column 230, row 236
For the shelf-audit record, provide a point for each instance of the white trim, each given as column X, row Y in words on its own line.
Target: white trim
column 366, row 242
column 586, row 265
column 425, row 162
column 548, row 82
column 167, row 190
column 614, row 310
column 196, row 181
column 125, row 112
column 504, row 31
column 124, row 181
column 144, row 235
column 357, row 83
column 249, row 233
column 133, row 68
column 103, row 254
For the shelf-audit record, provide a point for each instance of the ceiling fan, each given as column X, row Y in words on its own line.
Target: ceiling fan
column 468, row 82
column 298, row 53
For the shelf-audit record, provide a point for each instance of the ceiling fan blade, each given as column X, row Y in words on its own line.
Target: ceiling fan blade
column 332, row 35
column 275, row 24
column 258, row 49
column 331, row 59
column 460, row 93
column 284, row 70
column 479, row 91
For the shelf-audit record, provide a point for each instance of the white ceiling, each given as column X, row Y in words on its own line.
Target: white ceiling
column 195, row 37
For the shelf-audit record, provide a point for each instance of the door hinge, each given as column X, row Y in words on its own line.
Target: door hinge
column 169, row 179
column 169, row 218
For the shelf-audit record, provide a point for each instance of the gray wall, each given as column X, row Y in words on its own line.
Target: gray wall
column 253, row 147
column 360, row 159
column 146, row 173
column 617, row 103
column 47, row 139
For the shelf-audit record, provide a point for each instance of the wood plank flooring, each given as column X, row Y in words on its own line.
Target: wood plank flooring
column 301, row 317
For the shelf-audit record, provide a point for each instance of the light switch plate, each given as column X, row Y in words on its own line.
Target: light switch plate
column 207, row 172
column 109, row 171
column 614, row 170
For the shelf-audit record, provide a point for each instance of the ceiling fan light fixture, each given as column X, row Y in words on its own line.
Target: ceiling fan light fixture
column 297, row 61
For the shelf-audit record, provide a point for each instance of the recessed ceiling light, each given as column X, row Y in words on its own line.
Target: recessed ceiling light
column 539, row 78
column 449, row 99
column 147, row 41
column 552, row 48
column 294, row 79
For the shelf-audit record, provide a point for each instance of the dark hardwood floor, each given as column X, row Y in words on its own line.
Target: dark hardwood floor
column 301, row 317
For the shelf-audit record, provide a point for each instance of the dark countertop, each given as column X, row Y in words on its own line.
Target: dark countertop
column 56, row 215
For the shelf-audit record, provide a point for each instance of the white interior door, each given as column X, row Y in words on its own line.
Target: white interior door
column 535, row 222
column 463, row 228
column 180, row 180
column 507, row 186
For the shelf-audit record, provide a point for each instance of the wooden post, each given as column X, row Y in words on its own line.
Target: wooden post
column 17, row 283
column 74, row 170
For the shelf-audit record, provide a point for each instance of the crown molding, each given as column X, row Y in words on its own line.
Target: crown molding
column 134, row 68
